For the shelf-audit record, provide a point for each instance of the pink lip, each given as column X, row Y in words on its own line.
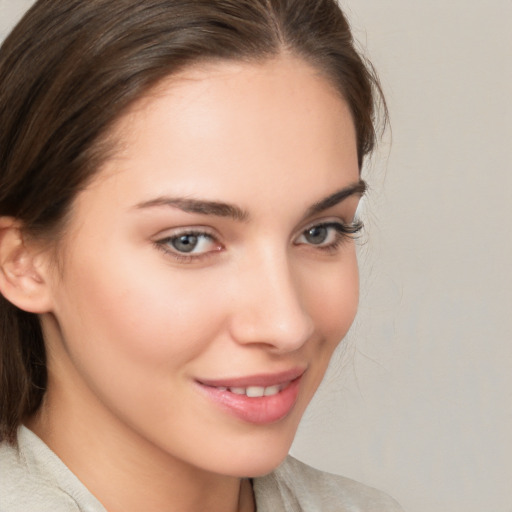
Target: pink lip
column 257, row 410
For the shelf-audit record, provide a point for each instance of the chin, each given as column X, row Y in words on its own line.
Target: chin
column 258, row 466
column 256, row 455
column 257, row 451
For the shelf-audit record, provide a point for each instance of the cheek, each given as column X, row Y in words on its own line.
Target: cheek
column 135, row 312
column 131, row 333
column 333, row 299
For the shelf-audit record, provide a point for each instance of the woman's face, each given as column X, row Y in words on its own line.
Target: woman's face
column 208, row 264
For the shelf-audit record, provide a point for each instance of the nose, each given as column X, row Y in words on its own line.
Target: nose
column 268, row 308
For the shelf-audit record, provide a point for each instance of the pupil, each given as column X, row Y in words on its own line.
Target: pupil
column 185, row 243
column 316, row 235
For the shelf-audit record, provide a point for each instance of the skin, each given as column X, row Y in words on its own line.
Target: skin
column 131, row 326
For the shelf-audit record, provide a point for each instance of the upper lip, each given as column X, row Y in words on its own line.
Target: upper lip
column 260, row 380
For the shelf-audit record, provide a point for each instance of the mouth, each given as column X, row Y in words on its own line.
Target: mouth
column 260, row 399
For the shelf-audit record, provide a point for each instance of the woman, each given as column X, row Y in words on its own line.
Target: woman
column 179, row 182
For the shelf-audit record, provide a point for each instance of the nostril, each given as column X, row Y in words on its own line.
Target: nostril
column 284, row 329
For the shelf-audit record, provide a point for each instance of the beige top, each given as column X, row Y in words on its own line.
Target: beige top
column 34, row 479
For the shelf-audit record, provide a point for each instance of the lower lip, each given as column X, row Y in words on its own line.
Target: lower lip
column 257, row 410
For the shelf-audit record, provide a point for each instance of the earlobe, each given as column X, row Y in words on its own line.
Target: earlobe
column 22, row 281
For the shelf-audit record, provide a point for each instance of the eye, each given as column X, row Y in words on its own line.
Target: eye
column 189, row 244
column 328, row 235
column 319, row 235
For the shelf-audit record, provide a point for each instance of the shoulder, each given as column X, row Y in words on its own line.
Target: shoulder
column 299, row 487
column 34, row 479
column 20, row 490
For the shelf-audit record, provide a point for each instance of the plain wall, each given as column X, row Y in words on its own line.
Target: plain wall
column 419, row 400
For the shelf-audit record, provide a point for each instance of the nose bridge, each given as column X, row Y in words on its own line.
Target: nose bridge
column 270, row 304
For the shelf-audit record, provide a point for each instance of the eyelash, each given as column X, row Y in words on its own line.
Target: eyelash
column 344, row 232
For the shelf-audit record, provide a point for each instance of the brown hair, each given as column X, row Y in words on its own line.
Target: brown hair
column 71, row 68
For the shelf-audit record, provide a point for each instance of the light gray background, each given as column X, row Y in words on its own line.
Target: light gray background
column 420, row 402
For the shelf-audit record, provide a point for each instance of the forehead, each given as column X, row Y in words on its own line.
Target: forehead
column 231, row 128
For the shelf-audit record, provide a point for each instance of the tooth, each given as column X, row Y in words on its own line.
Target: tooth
column 237, row 391
column 222, row 388
column 272, row 390
column 255, row 391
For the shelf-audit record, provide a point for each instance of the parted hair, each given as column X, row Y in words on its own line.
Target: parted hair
column 71, row 68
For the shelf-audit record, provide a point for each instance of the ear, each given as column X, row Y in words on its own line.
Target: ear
column 22, row 276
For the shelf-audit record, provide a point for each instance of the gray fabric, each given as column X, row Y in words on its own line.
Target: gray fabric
column 296, row 487
column 34, row 479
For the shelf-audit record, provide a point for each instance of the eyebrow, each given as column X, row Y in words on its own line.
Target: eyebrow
column 219, row 209
column 358, row 189
column 201, row 206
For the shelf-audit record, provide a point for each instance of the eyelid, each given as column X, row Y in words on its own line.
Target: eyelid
column 185, row 230
column 353, row 226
